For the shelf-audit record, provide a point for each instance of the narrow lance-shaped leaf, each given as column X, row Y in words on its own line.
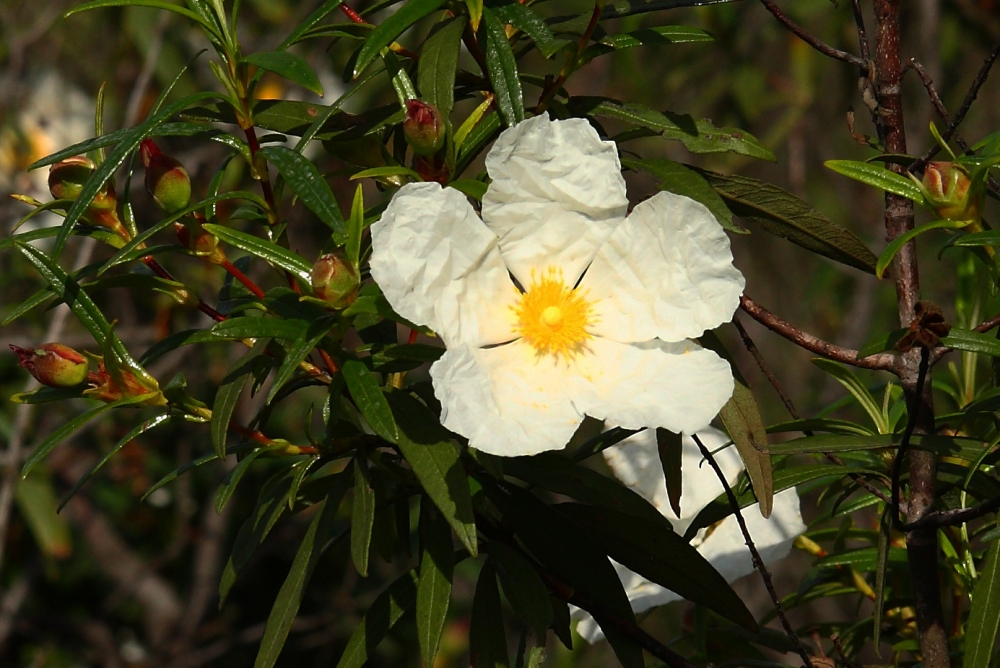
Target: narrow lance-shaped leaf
column 309, row 185
column 487, row 638
column 501, row 66
column 878, row 176
column 984, row 617
column 262, row 248
column 670, row 448
column 890, row 252
column 680, row 180
column 362, row 515
column 297, row 352
column 292, row 67
column 383, row 614
column 434, row 589
column 881, row 569
column 391, row 28
column 228, row 394
column 438, row 64
column 524, row 588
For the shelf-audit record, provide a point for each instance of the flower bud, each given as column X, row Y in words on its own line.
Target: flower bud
column 66, row 178
column 423, row 128
column 950, row 192
column 204, row 244
column 166, row 179
column 335, row 280
column 53, row 364
column 105, row 388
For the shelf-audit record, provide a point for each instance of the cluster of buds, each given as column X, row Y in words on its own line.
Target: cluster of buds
column 66, row 181
column 335, row 280
column 425, row 130
column 53, row 364
column 952, row 192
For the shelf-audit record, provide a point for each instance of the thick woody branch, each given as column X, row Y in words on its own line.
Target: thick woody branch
column 881, row 361
column 811, row 40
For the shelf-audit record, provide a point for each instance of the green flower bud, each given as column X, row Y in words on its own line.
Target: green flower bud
column 335, row 280
column 951, row 193
column 53, row 364
column 166, row 179
column 423, row 128
column 66, row 178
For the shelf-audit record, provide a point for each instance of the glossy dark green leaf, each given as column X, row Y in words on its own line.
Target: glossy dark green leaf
column 232, row 479
column 156, row 4
column 697, row 135
column 309, row 185
column 896, row 245
column 785, row 215
column 264, row 249
column 525, row 19
column 362, row 515
column 437, row 565
column 391, row 28
column 248, row 327
column 179, row 471
column 877, row 176
column 388, row 608
column 741, row 418
column 671, row 450
column 370, row 400
column 680, row 180
column 310, row 21
column 298, row 351
column 286, row 605
column 44, row 395
column 501, row 66
column 438, row 64
column 972, row 342
column 227, row 397
column 487, row 637
column 524, row 588
column 863, row 559
column 292, row 67
column 662, row 557
column 987, row 238
column 984, row 617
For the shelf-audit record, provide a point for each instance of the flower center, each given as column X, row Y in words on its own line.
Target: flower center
column 552, row 317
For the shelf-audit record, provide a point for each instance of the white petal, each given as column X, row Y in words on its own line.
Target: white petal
column 636, row 462
column 678, row 386
column 506, row 400
column 666, row 273
column 557, row 192
column 439, row 266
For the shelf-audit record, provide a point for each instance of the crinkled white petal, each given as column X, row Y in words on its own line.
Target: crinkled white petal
column 556, row 194
column 439, row 266
column 636, row 462
column 679, row 386
column 506, row 400
column 724, row 548
column 667, row 272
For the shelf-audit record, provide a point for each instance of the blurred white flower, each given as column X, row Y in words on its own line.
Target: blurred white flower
column 600, row 321
column 635, row 461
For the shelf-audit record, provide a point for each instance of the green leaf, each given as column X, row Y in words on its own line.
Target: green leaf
column 383, row 614
column 881, row 569
column 249, row 327
column 362, row 515
column 971, row 341
column 987, row 238
column 785, row 215
column 523, row 18
column 470, row 187
column 129, row 143
column 741, row 418
column 524, row 588
column 697, row 135
column 657, row 35
column 885, row 259
column 391, row 28
column 669, row 447
column 176, row 473
column 36, row 502
column 434, row 589
column 964, row 448
column 156, row 4
column 356, row 227
column 309, row 185
column 267, row 250
column 227, row 397
column 388, row 171
column 487, row 637
column 369, row 399
column 233, row 477
column 984, row 616
column 878, row 176
column 66, row 430
column 662, row 557
column 292, row 67
column 310, row 21
column 501, row 66
column 438, row 64
column 863, row 559
column 297, row 352
column 853, row 384
column 434, row 459
column 680, row 180
column 286, row 605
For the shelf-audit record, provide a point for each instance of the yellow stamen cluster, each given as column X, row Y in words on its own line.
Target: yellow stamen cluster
column 553, row 317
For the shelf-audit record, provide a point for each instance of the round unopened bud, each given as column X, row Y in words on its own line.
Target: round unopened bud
column 950, row 192
column 53, row 364
column 335, row 280
column 423, row 128
column 166, row 179
column 67, row 177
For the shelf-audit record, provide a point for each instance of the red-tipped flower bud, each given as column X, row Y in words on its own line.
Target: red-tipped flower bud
column 951, row 193
column 66, row 178
column 335, row 280
column 423, row 128
column 53, row 364
column 166, row 179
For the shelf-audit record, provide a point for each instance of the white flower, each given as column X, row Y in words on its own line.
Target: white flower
column 522, row 368
column 636, row 463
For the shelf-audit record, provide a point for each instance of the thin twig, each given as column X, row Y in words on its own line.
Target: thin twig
column 970, row 97
column 939, row 107
column 757, row 561
column 949, row 518
column 880, row 361
column 904, row 444
column 859, row 20
column 811, row 40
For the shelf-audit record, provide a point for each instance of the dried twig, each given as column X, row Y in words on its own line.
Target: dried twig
column 811, row 40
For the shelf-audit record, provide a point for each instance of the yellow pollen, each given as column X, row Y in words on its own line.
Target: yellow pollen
column 552, row 317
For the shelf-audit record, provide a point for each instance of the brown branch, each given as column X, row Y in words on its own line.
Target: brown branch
column 950, row 518
column 881, row 361
column 757, row 561
column 904, row 444
column 859, row 20
column 811, row 40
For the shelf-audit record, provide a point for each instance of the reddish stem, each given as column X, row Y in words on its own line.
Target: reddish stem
column 331, row 364
column 163, row 273
column 412, row 338
column 243, row 278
